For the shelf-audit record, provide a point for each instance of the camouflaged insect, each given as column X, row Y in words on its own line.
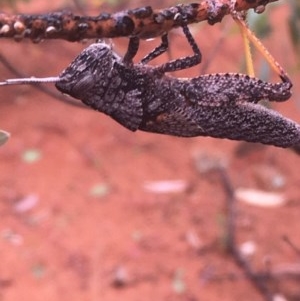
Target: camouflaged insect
column 141, row 98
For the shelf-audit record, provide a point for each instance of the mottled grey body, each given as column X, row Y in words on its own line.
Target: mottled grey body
column 141, row 98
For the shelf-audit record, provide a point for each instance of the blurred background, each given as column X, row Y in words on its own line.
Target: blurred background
column 92, row 211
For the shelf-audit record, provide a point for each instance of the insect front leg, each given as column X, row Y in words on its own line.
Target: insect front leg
column 163, row 47
column 174, row 65
column 186, row 62
column 133, row 47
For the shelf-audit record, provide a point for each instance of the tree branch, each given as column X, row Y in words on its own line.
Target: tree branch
column 143, row 22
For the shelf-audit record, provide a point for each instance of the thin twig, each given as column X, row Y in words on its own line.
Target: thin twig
column 256, row 278
column 295, row 248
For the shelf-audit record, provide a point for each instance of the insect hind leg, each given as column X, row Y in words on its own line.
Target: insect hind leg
column 260, row 47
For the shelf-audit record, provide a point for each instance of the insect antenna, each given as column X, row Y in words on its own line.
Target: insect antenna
column 30, row 80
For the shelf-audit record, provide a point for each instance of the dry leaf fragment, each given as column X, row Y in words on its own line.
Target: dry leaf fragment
column 260, row 198
column 166, row 186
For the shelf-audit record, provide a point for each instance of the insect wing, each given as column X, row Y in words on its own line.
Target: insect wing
column 176, row 122
column 249, row 122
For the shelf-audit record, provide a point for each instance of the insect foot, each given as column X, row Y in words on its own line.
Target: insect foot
column 216, row 105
